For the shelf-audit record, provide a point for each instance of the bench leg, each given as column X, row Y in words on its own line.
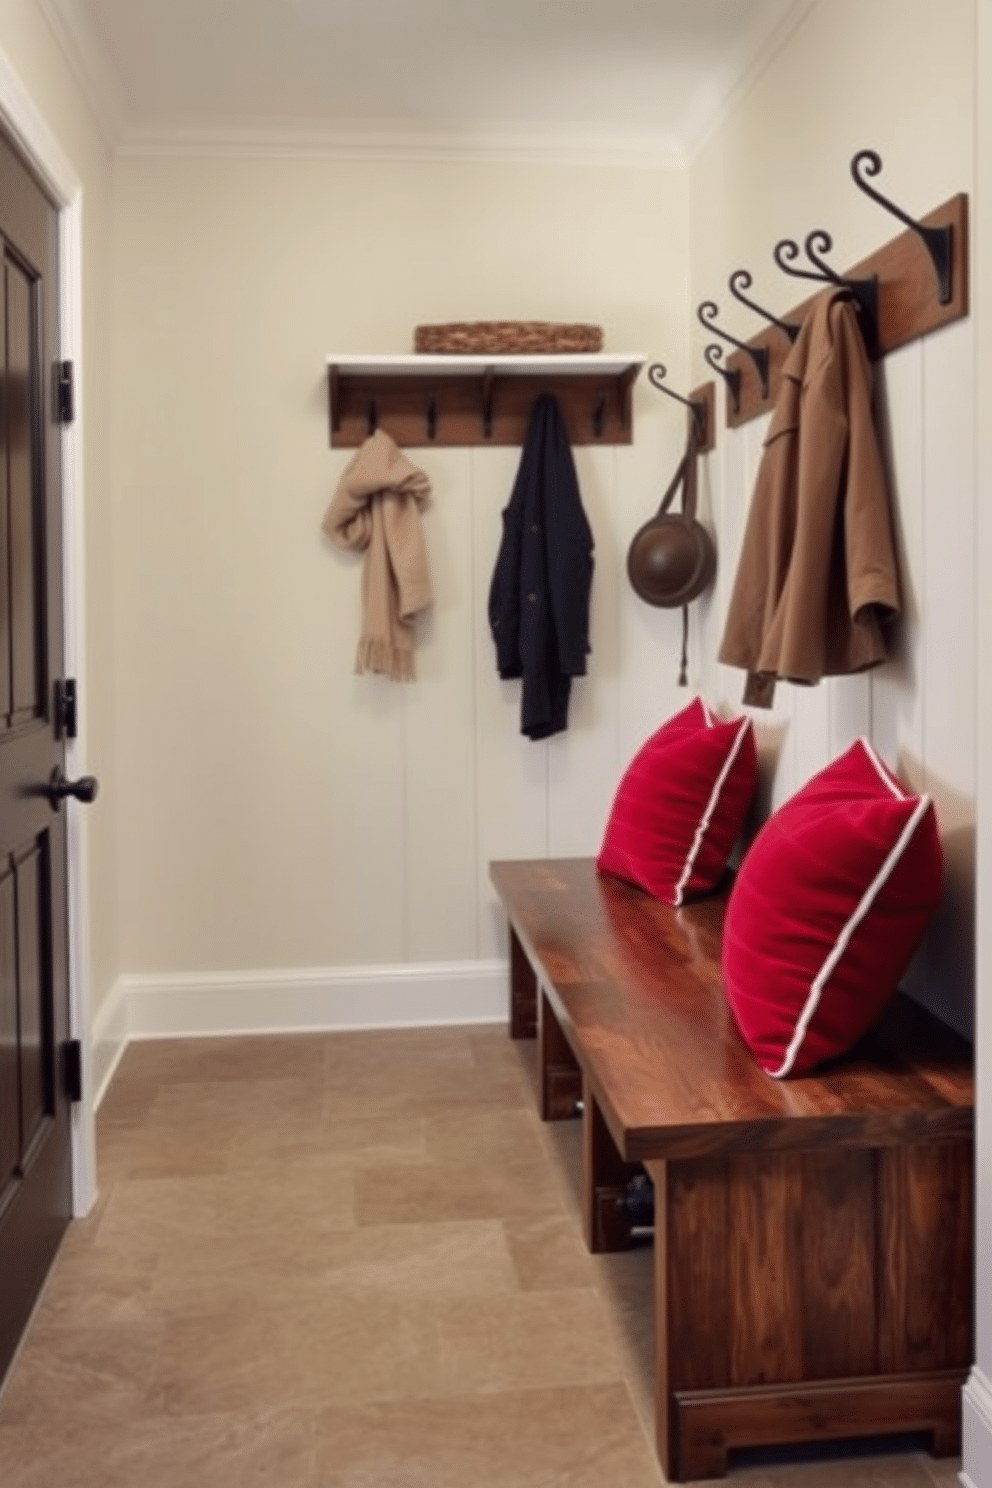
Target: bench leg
column 605, row 1176
column 561, row 1078
column 523, row 992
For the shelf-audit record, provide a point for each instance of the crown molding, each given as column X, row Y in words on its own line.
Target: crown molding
column 403, row 141
column 392, row 142
column 724, row 94
column 89, row 65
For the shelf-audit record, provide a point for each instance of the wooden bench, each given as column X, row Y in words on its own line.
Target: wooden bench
column 813, row 1237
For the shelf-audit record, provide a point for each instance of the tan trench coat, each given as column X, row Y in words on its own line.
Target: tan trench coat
column 817, row 574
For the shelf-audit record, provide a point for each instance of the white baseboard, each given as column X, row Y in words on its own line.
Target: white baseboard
column 196, row 1005
column 108, row 1040
column 976, row 1469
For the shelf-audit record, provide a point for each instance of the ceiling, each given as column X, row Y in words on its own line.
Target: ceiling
column 645, row 79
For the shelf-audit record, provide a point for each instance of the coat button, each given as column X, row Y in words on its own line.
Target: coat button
column 532, row 598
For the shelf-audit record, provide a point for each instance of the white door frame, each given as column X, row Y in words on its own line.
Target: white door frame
column 25, row 124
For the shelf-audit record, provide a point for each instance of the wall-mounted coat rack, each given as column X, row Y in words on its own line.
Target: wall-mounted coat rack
column 477, row 400
column 915, row 283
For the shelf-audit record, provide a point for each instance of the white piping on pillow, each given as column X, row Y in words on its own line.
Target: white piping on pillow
column 697, row 840
column 843, row 939
column 882, row 772
column 706, row 713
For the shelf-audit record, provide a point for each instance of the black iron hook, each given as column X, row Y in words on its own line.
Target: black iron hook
column 938, row 240
column 431, row 417
column 730, row 375
column 373, row 418
column 739, row 280
column 817, row 242
column 707, row 312
column 865, row 291
column 657, row 372
column 788, row 249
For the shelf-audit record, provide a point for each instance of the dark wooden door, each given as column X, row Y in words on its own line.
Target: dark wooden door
column 35, row 1156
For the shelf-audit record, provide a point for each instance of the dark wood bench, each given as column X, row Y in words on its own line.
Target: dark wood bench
column 813, row 1237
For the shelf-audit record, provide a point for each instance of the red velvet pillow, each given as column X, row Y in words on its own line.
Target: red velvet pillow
column 826, row 911
column 681, row 804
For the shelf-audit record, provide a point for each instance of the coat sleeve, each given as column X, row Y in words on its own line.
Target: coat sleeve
column 569, row 555
column 504, row 593
column 870, row 553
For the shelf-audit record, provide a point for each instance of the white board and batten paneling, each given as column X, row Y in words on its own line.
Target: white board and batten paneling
column 919, row 708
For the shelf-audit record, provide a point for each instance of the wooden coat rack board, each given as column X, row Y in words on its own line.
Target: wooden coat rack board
column 908, row 306
column 478, row 400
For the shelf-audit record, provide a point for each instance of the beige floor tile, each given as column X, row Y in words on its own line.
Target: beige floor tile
column 585, row 1437
column 366, row 1345
column 223, row 1234
column 394, row 1050
column 158, row 1062
column 81, row 1291
column 352, row 1260
column 346, row 1139
column 548, row 1252
column 482, row 1345
column 237, row 1354
column 196, row 1129
column 81, row 1374
column 171, row 1150
column 488, row 1137
column 423, row 1260
column 236, row 1103
column 420, row 1192
column 462, row 1259
column 562, row 1144
column 267, row 1449
column 422, row 1090
column 166, row 1212
column 626, row 1282
column 128, row 1101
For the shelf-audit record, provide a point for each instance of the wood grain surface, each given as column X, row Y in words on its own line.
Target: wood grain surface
column 813, row 1237
column 636, row 988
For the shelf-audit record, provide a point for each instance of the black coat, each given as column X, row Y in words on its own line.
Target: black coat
column 539, row 596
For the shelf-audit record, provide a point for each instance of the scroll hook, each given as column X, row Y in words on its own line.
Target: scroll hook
column 730, row 375
column 740, row 280
column 865, row 291
column 937, row 240
column 657, row 372
column 707, row 313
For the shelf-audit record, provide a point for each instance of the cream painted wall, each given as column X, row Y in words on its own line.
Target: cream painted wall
column 779, row 167
column 278, row 811
column 33, row 53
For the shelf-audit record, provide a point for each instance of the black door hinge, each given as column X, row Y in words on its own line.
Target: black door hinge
column 65, row 708
column 72, row 1069
column 65, row 400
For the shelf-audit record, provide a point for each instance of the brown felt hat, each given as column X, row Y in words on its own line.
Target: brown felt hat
column 671, row 560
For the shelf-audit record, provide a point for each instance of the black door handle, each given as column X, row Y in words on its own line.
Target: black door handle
column 84, row 789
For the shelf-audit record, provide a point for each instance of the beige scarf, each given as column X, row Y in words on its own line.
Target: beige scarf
column 376, row 509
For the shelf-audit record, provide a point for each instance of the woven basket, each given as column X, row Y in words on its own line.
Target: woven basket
column 506, row 337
